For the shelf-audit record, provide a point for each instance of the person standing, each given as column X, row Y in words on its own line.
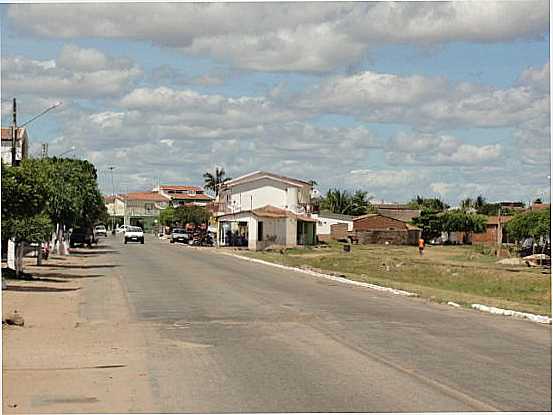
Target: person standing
column 421, row 246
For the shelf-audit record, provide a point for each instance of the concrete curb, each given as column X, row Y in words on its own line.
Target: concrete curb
column 484, row 308
column 327, row 276
column 511, row 313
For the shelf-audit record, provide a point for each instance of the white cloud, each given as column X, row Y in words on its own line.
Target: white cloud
column 384, row 178
column 429, row 103
column 288, row 36
column 537, row 78
column 86, row 73
column 431, row 149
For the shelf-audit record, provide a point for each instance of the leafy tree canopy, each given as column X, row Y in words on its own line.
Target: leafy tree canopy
column 343, row 202
column 213, row 181
column 24, row 201
column 433, row 204
column 187, row 214
column 533, row 224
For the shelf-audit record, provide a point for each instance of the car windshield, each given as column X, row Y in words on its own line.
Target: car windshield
column 134, row 229
column 100, row 227
column 179, row 231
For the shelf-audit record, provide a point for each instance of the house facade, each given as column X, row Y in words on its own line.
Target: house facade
column 21, row 144
column 325, row 219
column 184, row 195
column 397, row 211
column 376, row 229
column 262, row 209
column 494, row 231
column 136, row 208
column 143, row 208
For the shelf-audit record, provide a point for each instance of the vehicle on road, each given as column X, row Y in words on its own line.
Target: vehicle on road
column 179, row 235
column 100, row 230
column 122, row 228
column 82, row 236
column 134, row 234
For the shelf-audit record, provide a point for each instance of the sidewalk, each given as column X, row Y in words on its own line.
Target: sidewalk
column 78, row 350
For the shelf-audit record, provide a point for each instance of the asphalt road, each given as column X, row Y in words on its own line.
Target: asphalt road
column 227, row 335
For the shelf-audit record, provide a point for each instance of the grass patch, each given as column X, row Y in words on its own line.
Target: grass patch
column 461, row 274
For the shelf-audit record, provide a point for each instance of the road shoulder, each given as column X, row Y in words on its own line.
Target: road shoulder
column 78, row 347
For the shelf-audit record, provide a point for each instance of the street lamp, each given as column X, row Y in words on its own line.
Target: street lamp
column 68, row 151
column 15, row 127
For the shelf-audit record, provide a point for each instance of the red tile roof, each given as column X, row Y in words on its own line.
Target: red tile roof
column 183, row 196
column 274, row 212
column 494, row 220
column 171, row 187
column 147, row 196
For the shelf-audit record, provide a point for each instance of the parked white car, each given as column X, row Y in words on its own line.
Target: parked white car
column 134, row 234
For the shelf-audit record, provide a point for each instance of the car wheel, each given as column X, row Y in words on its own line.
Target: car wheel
column 172, row 241
column 142, row 241
column 125, row 240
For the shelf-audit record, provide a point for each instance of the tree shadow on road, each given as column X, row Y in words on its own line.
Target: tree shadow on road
column 94, row 252
column 78, row 266
column 39, row 289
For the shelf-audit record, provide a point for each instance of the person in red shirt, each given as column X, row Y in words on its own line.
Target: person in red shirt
column 421, row 246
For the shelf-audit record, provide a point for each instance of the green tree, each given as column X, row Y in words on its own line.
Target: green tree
column 213, row 181
column 533, row 224
column 359, row 203
column 461, row 221
column 191, row 214
column 434, row 204
column 24, row 203
column 430, row 224
column 167, row 216
column 73, row 195
column 336, row 201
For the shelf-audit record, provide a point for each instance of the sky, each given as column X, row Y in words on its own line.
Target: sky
column 440, row 99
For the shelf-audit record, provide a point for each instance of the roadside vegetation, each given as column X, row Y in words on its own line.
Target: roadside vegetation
column 48, row 196
column 462, row 274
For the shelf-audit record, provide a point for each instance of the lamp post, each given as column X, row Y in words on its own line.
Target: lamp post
column 68, row 151
column 15, row 128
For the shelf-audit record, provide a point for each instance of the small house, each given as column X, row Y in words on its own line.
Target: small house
column 376, row 228
column 325, row 219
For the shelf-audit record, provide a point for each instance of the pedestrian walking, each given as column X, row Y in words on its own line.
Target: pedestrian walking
column 421, row 247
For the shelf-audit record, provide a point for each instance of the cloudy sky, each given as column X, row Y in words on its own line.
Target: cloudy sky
column 398, row 99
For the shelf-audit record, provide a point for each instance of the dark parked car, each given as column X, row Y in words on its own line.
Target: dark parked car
column 82, row 236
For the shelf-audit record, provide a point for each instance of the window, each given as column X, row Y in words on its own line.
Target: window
column 259, row 231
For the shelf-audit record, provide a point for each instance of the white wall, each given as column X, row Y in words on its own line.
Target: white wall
column 257, row 194
column 323, row 224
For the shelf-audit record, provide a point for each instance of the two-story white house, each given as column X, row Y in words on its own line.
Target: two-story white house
column 184, row 195
column 262, row 209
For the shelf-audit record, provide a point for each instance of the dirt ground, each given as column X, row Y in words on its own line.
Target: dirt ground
column 78, row 351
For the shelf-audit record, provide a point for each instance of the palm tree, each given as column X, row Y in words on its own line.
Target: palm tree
column 337, row 201
column 213, row 181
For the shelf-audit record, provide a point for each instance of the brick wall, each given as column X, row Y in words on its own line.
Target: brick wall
column 339, row 231
column 378, row 222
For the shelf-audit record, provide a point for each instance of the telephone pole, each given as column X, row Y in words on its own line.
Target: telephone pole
column 14, row 133
column 111, row 168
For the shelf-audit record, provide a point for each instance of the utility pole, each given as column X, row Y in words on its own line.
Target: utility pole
column 14, row 133
column 44, row 150
column 111, row 168
column 499, row 233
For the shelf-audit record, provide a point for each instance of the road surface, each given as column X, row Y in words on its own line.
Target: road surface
column 226, row 335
